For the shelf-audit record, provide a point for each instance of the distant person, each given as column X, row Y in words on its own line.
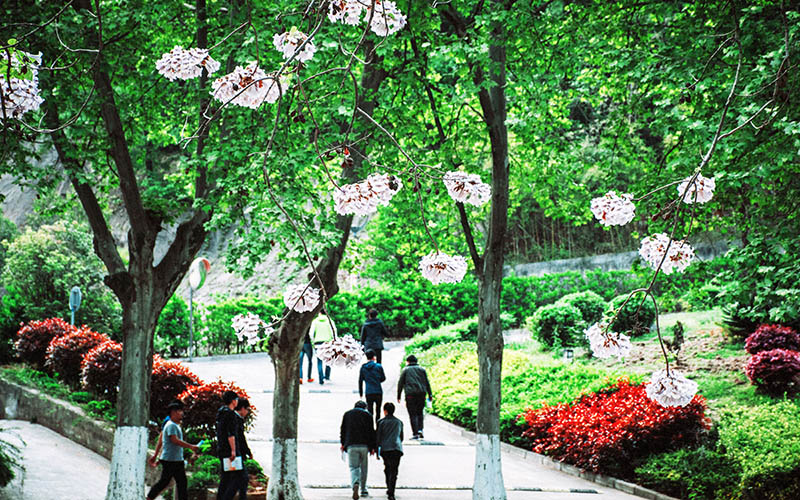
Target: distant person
column 243, row 409
column 372, row 375
column 389, row 439
column 414, row 381
column 322, row 330
column 309, row 352
column 357, row 436
column 172, row 445
column 227, row 425
column 373, row 331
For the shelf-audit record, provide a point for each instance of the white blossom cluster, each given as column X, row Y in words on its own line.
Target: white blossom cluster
column 363, row 198
column 259, row 87
column 467, row 188
column 679, row 255
column 248, row 326
column 670, row 389
column 288, row 42
column 701, row 190
column 184, row 64
column 443, row 268
column 343, row 351
column 386, row 20
column 20, row 95
column 605, row 343
column 301, row 298
column 613, row 209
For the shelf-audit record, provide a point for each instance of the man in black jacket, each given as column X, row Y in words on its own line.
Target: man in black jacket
column 227, row 426
column 414, row 380
column 390, row 446
column 372, row 375
column 373, row 331
column 357, row 436
column 243, row 409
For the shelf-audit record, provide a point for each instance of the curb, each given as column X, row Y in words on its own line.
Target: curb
column 608, row 481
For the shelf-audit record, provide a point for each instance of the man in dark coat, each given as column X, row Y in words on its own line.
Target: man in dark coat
column 390, row 446
column 357, row 436
column 414, row 381
column 243, row 409
column 227, row 426
column 373, row 331
column 372, row 375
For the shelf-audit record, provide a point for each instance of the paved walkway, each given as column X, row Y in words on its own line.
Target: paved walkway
column 438, row 468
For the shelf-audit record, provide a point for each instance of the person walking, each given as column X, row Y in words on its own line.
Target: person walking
column 372, row 375
column 373, row 331
column 322, row 330
column 227, row 426
column 414, row 381
column 309, row 352
column 357, row 437
column 171, row 458
column 389, row 439
column 242, row 410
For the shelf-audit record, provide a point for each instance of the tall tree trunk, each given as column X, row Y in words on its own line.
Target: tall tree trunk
column 286, row 343
column 488, row 482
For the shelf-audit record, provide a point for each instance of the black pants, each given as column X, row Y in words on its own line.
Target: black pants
column 378, row 355
column 170, row 470
column 415, row 403
column 391, row 462
column 375, row 399
column 232, row 482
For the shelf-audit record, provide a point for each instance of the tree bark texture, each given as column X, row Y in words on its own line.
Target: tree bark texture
column 285, row 344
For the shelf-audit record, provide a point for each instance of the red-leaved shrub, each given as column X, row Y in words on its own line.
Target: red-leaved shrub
column 34, row 337
column 100, row 370
column 65, row 353
column 776, row 371
column 202, row 402
column 769, row 337
column 606, row 431
column 168, row 381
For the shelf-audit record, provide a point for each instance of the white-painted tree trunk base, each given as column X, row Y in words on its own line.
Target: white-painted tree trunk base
column 126, row 480
column 488, row 483
column 284, row 483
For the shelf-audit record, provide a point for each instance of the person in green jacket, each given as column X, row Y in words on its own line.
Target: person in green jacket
column 322, row 330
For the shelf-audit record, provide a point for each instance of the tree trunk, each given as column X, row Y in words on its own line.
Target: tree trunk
column 488, row 483
column 130, row 437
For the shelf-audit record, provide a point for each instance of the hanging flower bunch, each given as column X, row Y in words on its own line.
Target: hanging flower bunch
column 670, row 389
column 701, row 190
column 185, row 64
column 259, row 87
column 301, row 298
column 343, row 351
column 386, row 20
column 613, row 209
column 247, row 328
column 442, row 268
column 467, row 188
column 679, row 255
column 288, row 43
column 363, row 198
column 20, row 91
column 605, row 343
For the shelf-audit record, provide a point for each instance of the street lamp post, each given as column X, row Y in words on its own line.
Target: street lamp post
column 74, row 303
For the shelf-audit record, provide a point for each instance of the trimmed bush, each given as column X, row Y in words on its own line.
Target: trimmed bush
column 463, row 330
column 632, row 318
column 217, row 332
column 768, row 337
column 172, row 330
column 557, row 325
column 607, row 431
column 168, row 381
column 590, row 304
column 100, row 370
column 765, row 442
column 699, row 474
column 65, row 354
column 775, row 372
column 201, row 405
column 34, row 338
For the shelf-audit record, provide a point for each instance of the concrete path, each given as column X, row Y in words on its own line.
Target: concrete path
column 55, row 467
column 440, row 467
